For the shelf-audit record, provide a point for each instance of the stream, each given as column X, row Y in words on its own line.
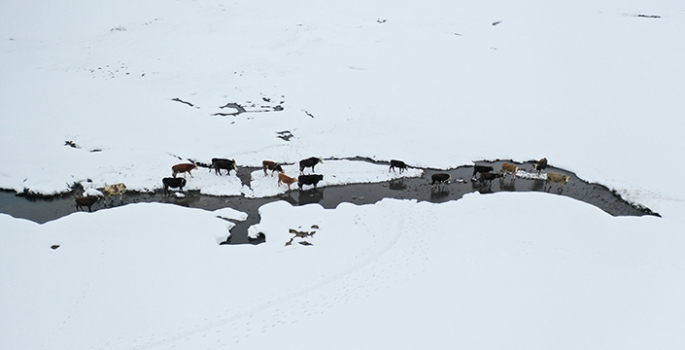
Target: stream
column 44, row 209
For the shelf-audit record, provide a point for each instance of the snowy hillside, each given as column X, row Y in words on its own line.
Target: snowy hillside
column 99, row 93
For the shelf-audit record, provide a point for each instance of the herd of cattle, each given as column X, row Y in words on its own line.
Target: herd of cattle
column 486, row 175
column 484, row 172
column 218, row 164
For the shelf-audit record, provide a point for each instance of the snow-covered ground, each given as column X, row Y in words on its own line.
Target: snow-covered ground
column 594, row 86
column 480, row 272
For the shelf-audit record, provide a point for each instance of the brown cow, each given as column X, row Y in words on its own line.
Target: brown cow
column 509, row 168
column 271, row 165
column 283, row 178
column 85, row 201
column 488, row 177
column 183, row 168
column 540, row 165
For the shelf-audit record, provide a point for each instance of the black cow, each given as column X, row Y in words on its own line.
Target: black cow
column 85, row 201
column 540, row 165
column 487, row 177
column 223, row 163
column 440, row 178
column 173, row 182
column 312, row 179
column 309, row 163
column 481, row 169
column 394, row 163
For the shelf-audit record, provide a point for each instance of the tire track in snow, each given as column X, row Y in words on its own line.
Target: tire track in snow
column 391, row 242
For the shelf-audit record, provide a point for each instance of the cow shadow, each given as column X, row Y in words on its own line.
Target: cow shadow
column 439, row 193
column 481, row 186
column 313, row 195
column 397, row 185
column 187, row 200
column 558, row 190
column 112, row 202
column 288, row 198
column 538, row 185
column 507, row 185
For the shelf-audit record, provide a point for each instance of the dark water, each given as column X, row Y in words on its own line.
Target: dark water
column 43, row 209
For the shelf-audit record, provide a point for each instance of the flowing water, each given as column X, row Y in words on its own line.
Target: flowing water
column 44, row 209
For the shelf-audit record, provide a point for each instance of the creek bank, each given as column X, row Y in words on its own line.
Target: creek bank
column 43, row 209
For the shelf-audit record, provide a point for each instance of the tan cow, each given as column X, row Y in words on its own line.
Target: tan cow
column 114, row 190
column 558, row 178
column 283, row 178
column 509, row 168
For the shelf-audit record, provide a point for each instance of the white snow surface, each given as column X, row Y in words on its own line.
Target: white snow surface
column 595, row 86
column 480, row 272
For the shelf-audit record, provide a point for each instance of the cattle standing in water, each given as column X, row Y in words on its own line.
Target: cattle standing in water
column 183, row 168
column 509, row 168
column 309, row 163
column 271, row 165
column 312, row 179
column 394, row 163
column 488, row 177
column 481, row 169
column 540, row 165
column 85, row 201
column 558, row 178
column 440, row 178
column 283, row 178
column 173, row 183
column 114, row 190
column 223, row 163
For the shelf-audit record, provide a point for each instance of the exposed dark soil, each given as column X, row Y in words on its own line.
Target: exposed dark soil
column 43, row 209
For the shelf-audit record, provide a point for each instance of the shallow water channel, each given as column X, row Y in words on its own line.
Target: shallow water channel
column 44, row 209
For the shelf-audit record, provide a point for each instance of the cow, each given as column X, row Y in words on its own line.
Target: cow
column 440, row 178
column 509, row 168
column 283, row 178
column 271, row 165
column 481, row 169
column 114, row 190
column 558, row 178
column 488, row 177
column 309, row 163
column 183, row 168
column 540, row 165
column 85, row 201
column 394, row 163
column 223, row 163
column 173, row 183
column 312, row 179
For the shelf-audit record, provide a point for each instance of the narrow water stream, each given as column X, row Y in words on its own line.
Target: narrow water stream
column 44, row 209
